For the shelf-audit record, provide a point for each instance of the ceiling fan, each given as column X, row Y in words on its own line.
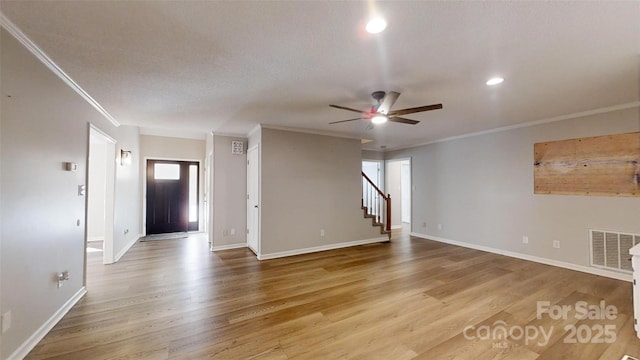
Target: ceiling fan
column 382, row 112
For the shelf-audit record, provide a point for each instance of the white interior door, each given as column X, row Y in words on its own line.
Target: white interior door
column 253, row 200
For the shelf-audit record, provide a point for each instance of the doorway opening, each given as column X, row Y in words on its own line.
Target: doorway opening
column 172, row 196
column 398, row 185
column 100, row 195
column 373, row 170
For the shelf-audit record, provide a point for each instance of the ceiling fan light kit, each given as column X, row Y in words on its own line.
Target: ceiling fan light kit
column 379, row 119
column 495, row 81
column 381, row 112
column 376, row 25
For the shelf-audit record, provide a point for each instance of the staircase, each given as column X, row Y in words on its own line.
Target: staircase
column 376, row 206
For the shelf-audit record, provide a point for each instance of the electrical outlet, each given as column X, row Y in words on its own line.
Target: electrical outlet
column 232, row 232
column 6, row 321
column 439, row 226
column 525, row 239
column 424, row 224
column 556, row 244
column 321, row 232
column 225, row 232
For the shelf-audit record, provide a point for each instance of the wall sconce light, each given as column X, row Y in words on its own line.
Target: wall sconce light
column 125, row 157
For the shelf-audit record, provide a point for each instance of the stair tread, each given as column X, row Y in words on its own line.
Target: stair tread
column 373, row 218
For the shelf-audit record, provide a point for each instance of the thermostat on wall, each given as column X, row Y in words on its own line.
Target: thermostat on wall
column 237, row 147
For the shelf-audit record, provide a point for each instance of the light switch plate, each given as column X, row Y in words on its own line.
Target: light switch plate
column 6, row 321
column 70, row 166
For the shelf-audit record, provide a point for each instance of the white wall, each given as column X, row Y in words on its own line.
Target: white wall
column 170, row 148
column 229, row 210
column 128, row 207
column 46, row 123
column 480, row 189
column 372, row 155
column 310, row 182
column 163, row 147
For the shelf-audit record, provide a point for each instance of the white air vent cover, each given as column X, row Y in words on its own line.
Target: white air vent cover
column 610, row 250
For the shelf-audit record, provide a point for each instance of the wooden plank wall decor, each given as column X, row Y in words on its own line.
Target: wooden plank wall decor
column 603, row 165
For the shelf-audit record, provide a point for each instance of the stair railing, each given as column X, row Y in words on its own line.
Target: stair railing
column 377, row 204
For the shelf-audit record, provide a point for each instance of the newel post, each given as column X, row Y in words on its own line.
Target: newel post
column 388, row 212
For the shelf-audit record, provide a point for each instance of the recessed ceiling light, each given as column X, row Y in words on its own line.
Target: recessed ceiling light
column 379, row 119
column 376, row 25
column 495, row 81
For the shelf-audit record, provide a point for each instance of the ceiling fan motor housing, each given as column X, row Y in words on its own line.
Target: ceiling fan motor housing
column 378, row 95
column 381, row 112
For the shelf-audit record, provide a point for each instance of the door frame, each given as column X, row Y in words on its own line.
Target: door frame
column 206, row 195
column 108, row 256
column 144, row 189
column 257, row 148
column 402, row 190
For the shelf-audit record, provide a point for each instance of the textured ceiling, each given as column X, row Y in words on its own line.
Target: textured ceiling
column 227, row 66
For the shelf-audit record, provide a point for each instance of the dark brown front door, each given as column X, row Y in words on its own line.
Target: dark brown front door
column 168, row 196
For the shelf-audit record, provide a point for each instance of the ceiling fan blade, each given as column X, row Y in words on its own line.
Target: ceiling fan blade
column 341, row 121
column 415, row 110
column 387, row 102
column 403, row 120
column 346, row 108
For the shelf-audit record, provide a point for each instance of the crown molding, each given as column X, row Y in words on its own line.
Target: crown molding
column 526, row 124
column 173, row 133
column 310, row 131
column 46, row 60
column 231, row 135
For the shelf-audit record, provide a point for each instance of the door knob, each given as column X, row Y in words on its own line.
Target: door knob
column 255, row 206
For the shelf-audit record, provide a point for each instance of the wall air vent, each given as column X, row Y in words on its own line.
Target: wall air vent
column 610, row 250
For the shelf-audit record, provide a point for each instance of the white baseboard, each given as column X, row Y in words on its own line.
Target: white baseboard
column 126, row 248
column 562, row 264
column 228, row 247
column 95, row 238
column 321, row 248
column 24, row 349
column 394, row 227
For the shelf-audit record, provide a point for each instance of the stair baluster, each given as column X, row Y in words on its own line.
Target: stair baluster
column 376, row 205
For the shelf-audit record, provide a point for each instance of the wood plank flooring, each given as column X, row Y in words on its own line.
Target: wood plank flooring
column 408, row 299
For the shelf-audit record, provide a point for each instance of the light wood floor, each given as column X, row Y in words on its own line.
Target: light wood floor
column 408, row 299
